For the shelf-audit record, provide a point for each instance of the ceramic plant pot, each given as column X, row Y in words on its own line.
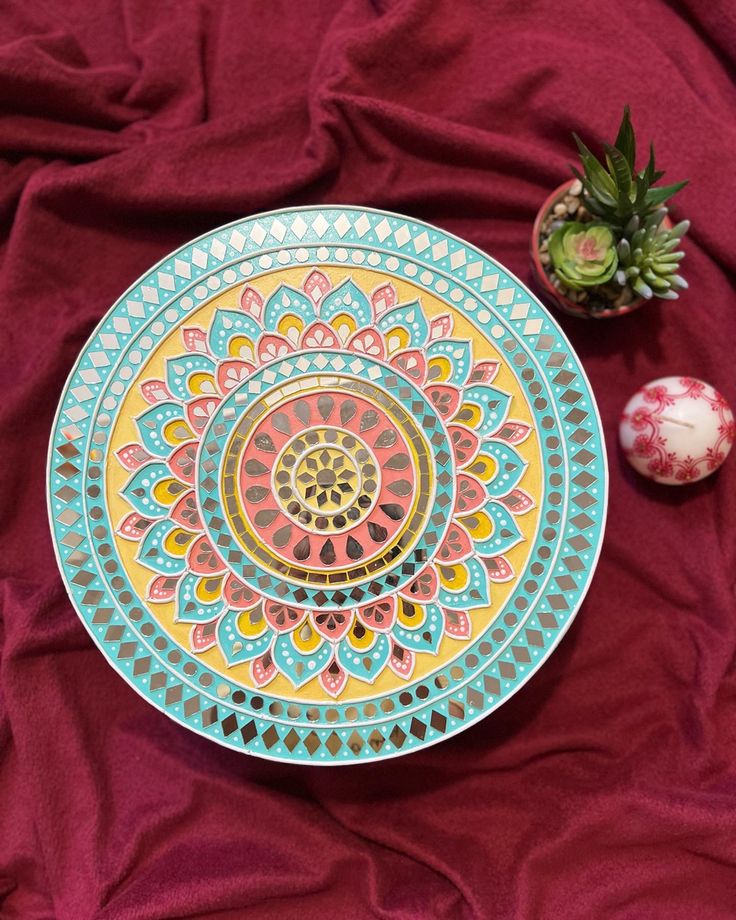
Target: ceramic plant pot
column 550, row 293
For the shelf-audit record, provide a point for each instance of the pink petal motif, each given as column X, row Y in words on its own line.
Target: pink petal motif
column 423, row 588
column 456, row 547
column 202, row 558
column 283, row 617
column 232, row 373
column 513, row 432
column 465, row 444
column 202, row 637
column 272, row 346
column 333, row 678
column 383, row 298
column 132, row 456
column 517, row 501
column 239, row 595
column 154, row 391
column 251, row 302
column 445, row 399
column 457, row 624
column 185, row 512
column 133, row 526
column 470, row 494
column 440, row 327
column 484, row 372
column 263, row 670
column 316, row 285
column 368, row 342
column 332, row 624
column 195, row 339
column 499, row 569
column 319, row 335
column 162, row 589
column 181, row 462
column 199, row 412
column 402, row 661
column 379, row 616
column 412, row 364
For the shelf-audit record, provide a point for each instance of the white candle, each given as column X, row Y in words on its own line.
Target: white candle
column 676, row 430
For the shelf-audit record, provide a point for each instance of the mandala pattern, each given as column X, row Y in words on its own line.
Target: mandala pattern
column 340, row 513
column 325, row 484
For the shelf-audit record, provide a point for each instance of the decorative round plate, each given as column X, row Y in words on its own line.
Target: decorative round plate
column 327, row 485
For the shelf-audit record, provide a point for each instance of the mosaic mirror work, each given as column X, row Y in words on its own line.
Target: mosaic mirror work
column 327, row 485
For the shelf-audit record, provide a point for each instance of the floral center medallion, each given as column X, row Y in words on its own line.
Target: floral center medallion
column 331, row 483
column 336, row 493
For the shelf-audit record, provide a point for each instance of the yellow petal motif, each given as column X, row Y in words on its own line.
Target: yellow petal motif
column 306, row 639
column 396, row 339
column 241, row 346
column 202, row 384
column 478, row 525
column 166, row 491
column 177, row 432
column 484, row 467
column 291, row 327
column 208, row 590
column 469, row 414
column 410, row 615
column 177, row 542
column 439, row 369
column 252, row 623
column 360, row 636
column 453, row 577
column 344, row 325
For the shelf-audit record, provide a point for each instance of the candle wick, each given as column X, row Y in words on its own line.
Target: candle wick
column 674, row 421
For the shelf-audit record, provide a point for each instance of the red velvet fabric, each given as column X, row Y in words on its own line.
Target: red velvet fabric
column 605, row 788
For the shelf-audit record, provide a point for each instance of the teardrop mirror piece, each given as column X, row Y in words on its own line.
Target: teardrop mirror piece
column 302, row 549
column 327, row 553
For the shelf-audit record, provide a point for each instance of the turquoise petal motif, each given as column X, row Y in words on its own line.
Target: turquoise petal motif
column 180, row 369
column 477, row 592
column 296, row 665
column 225, row 325
column 151, row 424
column 189, row 609
column 511, row 468
column 234, row 645
column 138, row 490
column 494, row 405
column 152, row 554
column 410, row 317
column 346, row 298
column 286, row 300
column 365, row 664
column 505, row 534
column 425, row 638
column 460, row 355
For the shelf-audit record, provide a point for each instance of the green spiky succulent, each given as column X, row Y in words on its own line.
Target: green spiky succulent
column 583, row 255
column 649, row 257
column 615, row 193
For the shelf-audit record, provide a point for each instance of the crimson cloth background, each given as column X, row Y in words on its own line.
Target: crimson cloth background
column 605, row 788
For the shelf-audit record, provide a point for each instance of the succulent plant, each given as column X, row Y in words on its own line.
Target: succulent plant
column 649, row 257
column 615, row 192
column 583, row 255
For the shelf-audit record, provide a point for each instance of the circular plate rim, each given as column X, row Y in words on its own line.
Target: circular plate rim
column 582, row 590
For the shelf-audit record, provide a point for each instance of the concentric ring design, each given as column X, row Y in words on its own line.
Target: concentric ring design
column 327, row 481
column 421, row 488
column 327, row 485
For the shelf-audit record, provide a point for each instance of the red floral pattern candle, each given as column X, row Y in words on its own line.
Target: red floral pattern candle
column 676, row 430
